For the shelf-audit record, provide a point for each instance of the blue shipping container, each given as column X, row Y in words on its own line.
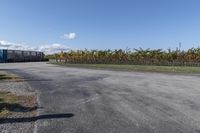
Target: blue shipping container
column 20, row 56
column 3, row 56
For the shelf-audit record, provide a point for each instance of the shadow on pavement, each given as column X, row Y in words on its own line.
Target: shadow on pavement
column 21, row 78
column 36, row 80
column 27, row 80
column 33, row 119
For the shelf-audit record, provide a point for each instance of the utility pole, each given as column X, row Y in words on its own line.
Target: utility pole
column 179, row 46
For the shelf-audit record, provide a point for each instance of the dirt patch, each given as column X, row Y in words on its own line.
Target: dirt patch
column 16, row 104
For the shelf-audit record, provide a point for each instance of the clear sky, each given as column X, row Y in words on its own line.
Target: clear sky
column 101, row 24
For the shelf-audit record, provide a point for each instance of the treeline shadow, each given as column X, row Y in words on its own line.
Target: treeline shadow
column 33, row 119
column 35, row 80
column 24, row 80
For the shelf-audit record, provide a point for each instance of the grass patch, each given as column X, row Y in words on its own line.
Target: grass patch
column 8, row 76
column 6, row 97
column 11, row 103
column 141, row 68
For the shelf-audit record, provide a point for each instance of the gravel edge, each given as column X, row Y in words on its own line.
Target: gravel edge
column 19, row 88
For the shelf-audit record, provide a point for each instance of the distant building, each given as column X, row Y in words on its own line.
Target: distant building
column 20, row 56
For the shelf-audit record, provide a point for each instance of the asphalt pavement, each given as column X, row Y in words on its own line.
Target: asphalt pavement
column 77, row 100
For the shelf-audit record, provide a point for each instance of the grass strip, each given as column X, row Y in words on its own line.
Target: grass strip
column 141, row 68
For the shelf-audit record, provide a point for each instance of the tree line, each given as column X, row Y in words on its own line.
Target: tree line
column 190, row 57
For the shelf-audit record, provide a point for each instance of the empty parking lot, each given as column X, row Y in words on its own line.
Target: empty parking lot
column 112, row 101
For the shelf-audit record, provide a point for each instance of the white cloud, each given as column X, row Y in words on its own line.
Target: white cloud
column 10, row 45
column 54, row 48
column 70, row 36
column 47, row 49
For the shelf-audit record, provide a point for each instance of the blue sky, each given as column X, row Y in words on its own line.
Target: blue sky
column 101, row 24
